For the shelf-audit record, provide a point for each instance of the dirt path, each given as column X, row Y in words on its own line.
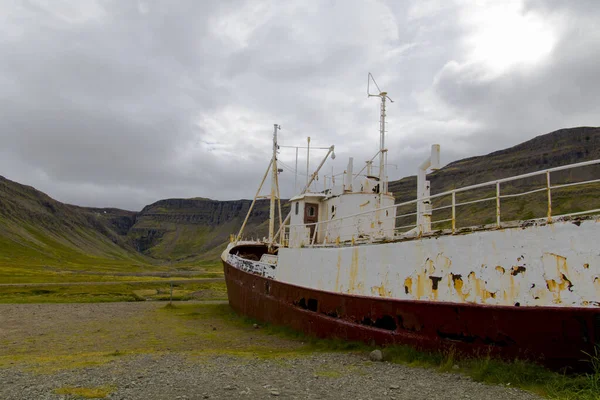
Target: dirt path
column 195, row 351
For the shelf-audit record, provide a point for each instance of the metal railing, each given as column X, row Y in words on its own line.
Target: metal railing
column 396, row 232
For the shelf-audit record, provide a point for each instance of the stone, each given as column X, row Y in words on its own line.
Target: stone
column 255, row 326
column 274, row 393
column 376, row 355
column 394, row 387
column 455, row 366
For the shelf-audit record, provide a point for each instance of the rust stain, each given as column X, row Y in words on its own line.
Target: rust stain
column 517, row 269
column 586, row 266
column 489, row 295
column 353, row 271
column 597, row 285
column 361, row 287
column 474, row 283
column 424, row 287
column 339, row 266
column 379, row 290
column 563, row 282
column 429, row 267
column 479, row 286
column 458, row 285
column 511, row 292
column 408, row 285
column 557, row 287
column 420, row 286
column 500, row 269
column 435, row 281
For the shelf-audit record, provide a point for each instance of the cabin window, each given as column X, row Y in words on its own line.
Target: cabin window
column 297, row 207
column 311, row 211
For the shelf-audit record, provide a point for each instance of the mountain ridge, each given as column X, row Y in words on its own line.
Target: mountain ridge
column 194, row 230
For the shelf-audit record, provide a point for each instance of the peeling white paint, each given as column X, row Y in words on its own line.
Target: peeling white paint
column 549, row 265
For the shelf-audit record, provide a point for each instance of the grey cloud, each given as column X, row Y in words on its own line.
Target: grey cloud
column 129, row 102
column 560, row 92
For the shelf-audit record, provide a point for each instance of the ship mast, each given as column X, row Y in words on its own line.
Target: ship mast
column 274, row 187
column 382, row 150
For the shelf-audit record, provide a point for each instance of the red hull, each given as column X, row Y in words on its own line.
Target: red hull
column 555, row 336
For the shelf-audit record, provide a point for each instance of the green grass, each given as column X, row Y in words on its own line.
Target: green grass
column 151, row 290
column 85, row 393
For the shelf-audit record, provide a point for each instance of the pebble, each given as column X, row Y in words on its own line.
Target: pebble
column 376, row 355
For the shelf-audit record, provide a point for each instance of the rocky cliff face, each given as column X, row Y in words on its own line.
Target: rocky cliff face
column 562, row 147
column 188, row 228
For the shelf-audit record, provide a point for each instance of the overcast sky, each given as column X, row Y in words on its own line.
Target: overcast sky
column 125, row 102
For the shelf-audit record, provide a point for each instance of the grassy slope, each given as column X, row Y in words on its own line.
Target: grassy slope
column 41, row 238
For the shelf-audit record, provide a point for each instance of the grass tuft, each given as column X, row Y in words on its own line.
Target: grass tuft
column 86, row 393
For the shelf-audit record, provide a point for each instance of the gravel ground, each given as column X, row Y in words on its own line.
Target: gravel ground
column 317, row 376
column 195, row 368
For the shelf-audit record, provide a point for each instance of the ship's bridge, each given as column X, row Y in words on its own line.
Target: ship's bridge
column 340, row 214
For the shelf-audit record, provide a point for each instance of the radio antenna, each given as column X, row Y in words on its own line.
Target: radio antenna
column 382, row 150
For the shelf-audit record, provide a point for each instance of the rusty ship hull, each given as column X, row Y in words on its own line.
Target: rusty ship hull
column 554, row 336
column 349, row 262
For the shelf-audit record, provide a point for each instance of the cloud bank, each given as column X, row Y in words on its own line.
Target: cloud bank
column 121, row 103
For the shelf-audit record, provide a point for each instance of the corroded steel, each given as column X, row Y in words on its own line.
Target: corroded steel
column 554, row 336
column 255, row 267
column 528, row 265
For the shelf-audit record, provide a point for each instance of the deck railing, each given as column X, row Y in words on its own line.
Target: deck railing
column 399, row 232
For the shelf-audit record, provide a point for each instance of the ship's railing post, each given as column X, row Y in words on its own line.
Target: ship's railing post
column 453, row 211
column 549, row 190
column 498, row 204
column 312, row 241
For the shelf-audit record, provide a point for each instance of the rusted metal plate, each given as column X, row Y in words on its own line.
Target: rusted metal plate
column 554, row 336
column 534, row 265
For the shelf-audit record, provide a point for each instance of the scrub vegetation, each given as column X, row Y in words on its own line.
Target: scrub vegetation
column 109, row 292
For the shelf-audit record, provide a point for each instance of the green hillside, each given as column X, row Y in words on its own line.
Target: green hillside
column 40, row 238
